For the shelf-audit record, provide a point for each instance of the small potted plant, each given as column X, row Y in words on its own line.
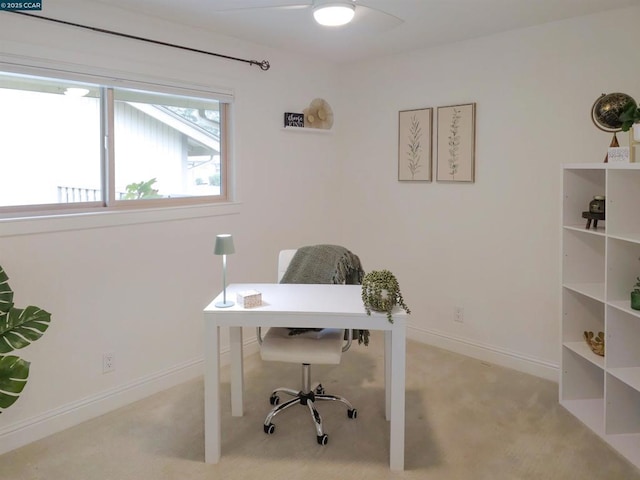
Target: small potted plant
column 635, row 295
column 630, row 117
column 381, row 292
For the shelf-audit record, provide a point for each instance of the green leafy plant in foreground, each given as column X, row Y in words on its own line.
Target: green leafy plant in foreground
column 19, row 327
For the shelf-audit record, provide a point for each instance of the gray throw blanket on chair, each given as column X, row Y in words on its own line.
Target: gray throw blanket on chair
column 329, row 264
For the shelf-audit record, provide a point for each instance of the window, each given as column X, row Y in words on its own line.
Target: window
column 68, row 145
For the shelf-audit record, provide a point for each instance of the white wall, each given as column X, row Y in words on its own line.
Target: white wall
column 491, row 247
column 139, row 289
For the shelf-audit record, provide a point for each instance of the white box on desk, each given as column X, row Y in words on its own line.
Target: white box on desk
column 249, row 298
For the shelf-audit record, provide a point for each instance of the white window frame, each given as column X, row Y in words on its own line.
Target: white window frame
column 225, row 98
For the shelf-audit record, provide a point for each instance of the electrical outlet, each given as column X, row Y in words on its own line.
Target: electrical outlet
column 108, row 362
column 458, row 314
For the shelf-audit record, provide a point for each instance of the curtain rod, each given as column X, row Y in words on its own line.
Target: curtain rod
column 264, row 64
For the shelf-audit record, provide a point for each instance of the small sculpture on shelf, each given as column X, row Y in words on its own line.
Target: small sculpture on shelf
column 595, row 342
column 596, row 211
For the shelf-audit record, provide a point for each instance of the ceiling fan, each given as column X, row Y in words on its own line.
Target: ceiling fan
column 326, row 12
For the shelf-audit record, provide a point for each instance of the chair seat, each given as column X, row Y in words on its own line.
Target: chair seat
column 323, row 347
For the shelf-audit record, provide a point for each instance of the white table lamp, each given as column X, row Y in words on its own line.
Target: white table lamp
column 224, row 246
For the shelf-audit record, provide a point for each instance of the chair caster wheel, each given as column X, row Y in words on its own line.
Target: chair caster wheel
column 352, row 413
column 274, row 399
column 323, row 439
column 269, row 429
column 319, row 390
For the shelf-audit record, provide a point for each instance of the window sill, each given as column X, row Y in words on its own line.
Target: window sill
column 103, row 218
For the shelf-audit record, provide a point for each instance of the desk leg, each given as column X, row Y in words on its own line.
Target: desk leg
column 387, row 374
column 237, row 369
column 211, row 392
column 398, row 363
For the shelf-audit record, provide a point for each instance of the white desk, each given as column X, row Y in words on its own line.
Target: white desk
column 295, row 305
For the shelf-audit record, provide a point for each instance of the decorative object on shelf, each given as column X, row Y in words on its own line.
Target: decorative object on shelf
column 456, row 143
column 596, row 211
column 414, row 145
column 318, row 114
column 630, row 115
column 597, row 205
column 381, row 292
column 595, row 342
column 19, row 327
column 635, row 295
column 293, row 119
column 224, row 246
column 618, row 155
column 606, row 112
column 630, row 118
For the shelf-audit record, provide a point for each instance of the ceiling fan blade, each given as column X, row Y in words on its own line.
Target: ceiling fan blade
column 235, row 5
column 375, row 19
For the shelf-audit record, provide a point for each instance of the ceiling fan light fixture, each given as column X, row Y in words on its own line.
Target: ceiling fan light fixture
column 334, row 14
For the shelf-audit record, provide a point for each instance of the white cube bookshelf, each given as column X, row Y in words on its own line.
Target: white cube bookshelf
column 599, row 269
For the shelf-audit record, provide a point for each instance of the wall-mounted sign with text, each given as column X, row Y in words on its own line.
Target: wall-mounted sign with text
column 293, row 119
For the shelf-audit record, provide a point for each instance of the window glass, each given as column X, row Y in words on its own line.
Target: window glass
column 165, row 146
column 49, row 142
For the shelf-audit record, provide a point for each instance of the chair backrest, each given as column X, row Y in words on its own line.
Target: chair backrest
column 284, row 259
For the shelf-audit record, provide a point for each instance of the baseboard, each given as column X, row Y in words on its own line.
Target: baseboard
column 487, row 353
column 27, row 431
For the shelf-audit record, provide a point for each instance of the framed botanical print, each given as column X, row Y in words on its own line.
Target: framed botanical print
column 456, row 143
column 414, row 145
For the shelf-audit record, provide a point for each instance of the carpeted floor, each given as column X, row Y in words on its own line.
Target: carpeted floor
column 465, row 420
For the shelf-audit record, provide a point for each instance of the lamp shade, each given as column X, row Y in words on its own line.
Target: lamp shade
column 224, row 245
column 334, row 14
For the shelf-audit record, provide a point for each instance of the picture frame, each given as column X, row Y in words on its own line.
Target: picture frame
column 456, row 143
column 415, row 129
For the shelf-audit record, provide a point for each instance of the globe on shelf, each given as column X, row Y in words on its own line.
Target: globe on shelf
column 605, row 114
column 606, row 111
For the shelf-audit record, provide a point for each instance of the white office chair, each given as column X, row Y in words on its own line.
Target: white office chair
column 324, row 347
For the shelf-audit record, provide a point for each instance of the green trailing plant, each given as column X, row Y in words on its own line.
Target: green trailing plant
column 630, row 114
column 19, row 327
column 381, row 292
column 636, row 287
